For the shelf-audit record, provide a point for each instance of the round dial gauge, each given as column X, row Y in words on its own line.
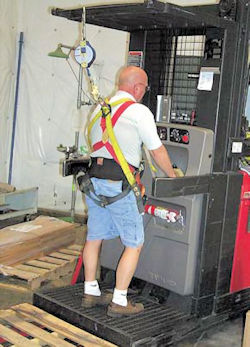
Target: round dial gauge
column 85, row 54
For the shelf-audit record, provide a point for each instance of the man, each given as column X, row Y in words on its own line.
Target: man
column 135, row 126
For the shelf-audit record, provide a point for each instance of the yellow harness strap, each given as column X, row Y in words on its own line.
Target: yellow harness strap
column 98, row 115
column 123, row 162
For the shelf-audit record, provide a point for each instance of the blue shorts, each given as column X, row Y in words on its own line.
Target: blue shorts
column 120, row 218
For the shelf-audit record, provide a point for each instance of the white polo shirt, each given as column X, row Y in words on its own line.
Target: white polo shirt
column 136, row 126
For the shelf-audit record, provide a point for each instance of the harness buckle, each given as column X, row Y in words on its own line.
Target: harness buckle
column 83, row 181
column 138, row 197
column 103, row 200
column 106, row 110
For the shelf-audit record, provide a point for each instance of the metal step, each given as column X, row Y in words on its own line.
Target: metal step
column 155, row 326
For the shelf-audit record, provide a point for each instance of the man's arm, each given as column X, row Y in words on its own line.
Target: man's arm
column 161, row 157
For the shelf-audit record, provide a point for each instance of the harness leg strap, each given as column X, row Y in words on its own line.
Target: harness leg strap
column 138, row 197
column 86, row 187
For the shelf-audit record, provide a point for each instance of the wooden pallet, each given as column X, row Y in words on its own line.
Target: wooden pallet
column 39, row 271
column 26, row 325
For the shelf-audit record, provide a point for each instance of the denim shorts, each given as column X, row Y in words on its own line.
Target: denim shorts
column 120, row 218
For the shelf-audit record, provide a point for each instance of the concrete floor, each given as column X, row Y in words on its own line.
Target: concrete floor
column 229, row 334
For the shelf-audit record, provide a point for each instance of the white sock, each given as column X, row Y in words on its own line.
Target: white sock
column 92, row 288
column 120, row 297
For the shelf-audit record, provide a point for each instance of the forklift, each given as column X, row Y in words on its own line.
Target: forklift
column 193, row 272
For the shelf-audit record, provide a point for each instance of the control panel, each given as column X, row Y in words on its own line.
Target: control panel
column 183, row 117
column 176, row 135
column 162, row 132
column 179, row 136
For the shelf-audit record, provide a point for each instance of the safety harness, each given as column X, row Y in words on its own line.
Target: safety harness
column 132, row 176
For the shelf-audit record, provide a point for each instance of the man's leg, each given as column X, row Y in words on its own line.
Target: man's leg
column 125, row 271
column 126, row 267
column 90, row 258
column 92, row 294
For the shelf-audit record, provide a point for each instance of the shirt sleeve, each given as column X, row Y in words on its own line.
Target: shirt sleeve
column 147, row 128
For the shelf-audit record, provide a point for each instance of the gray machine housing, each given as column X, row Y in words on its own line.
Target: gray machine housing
column 169, row 255
column 18, row 203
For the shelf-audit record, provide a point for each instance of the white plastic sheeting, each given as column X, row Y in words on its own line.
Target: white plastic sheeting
column 8, row 30
column 47, row 93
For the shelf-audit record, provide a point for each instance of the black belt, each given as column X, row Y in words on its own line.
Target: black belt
column 109, row 169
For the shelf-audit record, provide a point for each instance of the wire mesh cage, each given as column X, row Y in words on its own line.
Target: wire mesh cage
column 173, row 61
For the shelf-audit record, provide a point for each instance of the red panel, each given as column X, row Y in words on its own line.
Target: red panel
column 77, row 270
column 241, row 263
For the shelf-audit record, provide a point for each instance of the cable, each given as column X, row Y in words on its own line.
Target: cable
column 91, row 100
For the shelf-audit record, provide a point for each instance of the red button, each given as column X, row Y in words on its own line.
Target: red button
column 185, row 138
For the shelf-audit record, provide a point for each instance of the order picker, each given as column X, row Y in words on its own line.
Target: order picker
column 197, row 62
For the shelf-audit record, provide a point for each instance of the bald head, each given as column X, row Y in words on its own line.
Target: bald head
column 133, row 80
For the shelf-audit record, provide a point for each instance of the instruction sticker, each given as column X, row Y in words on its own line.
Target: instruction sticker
column 135, row 58
column 237, row 147
column 206, row 80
